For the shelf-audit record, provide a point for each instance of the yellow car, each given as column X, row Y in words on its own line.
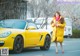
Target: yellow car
column 17, row 34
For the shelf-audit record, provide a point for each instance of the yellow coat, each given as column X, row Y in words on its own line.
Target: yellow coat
column 58, row 32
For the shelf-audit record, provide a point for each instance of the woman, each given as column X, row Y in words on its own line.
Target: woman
column 58, row 25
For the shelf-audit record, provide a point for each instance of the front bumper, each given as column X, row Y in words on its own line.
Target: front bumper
column 7, row 43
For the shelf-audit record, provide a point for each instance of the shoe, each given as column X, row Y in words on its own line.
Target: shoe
column 62, row 52
column 56, row 52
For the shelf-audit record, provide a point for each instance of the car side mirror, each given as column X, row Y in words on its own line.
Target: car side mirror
column 31, row 28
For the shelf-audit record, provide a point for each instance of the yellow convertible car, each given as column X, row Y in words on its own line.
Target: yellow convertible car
column 17, row 34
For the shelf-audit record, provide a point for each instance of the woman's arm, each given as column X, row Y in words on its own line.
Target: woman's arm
column 53, row 23
column 61, row 25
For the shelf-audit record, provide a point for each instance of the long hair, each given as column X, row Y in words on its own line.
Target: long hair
column 62, row 20
column 58, row 13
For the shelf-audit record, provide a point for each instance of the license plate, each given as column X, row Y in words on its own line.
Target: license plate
column 4, row 51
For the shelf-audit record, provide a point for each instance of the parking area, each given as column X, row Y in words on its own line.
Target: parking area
column 71, row 47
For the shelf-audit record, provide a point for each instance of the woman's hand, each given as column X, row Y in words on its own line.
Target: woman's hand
column 57, row 25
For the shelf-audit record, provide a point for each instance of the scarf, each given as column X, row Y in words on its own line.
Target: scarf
column 57, row 18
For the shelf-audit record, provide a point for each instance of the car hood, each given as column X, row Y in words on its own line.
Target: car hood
column 2, row 30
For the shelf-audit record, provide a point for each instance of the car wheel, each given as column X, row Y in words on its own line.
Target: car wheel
column 18, row 44
column 47, row 43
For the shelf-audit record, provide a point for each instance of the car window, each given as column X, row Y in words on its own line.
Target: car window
column 16, row 24
column 32, row 24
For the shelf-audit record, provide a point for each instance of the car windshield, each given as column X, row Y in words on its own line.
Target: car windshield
column 16, row 24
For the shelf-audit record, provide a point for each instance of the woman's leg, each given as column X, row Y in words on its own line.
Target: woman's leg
column 56, row 43
column 62, row 47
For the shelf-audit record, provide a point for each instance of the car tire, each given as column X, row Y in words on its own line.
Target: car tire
column 46, row 43
column 18, row 44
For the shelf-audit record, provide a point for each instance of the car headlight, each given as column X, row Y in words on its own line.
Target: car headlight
column 5, row 34
column 1, row 41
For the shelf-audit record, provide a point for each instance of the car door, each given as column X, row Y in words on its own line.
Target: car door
column 32, row 34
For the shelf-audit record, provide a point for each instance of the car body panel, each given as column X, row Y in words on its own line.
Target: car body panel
column 31, row 38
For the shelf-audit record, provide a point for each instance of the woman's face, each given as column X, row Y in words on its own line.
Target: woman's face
column 57, row 15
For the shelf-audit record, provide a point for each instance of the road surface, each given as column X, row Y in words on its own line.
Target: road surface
column 71, row 47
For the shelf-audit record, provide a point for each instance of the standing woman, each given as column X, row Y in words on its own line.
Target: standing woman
column 58, row 25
